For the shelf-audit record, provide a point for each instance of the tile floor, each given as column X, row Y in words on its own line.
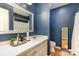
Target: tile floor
column 59, row 52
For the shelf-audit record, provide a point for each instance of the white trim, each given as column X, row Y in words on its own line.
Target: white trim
column 18, row 7
column 56, row 5
column 58, row 47
column 32, row 23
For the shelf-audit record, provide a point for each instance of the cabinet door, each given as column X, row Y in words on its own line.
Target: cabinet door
column 30, row 52
column 38, row 50
column 33, row 52
column 42, row 49
column 6, row 17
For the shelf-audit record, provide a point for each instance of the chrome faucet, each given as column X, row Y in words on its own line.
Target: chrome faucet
column 18, row 38
column 27, row 36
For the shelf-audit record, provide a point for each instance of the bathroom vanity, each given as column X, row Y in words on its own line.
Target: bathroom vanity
column 35, row 47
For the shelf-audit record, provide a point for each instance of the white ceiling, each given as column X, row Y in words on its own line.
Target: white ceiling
column 55, row 5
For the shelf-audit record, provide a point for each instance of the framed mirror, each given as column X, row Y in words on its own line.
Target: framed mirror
column 64, row 37
column 23, row 19
column 15, row 19
column 6, row 18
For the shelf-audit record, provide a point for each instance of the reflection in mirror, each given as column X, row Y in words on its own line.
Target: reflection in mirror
column 21, row 23
column 23, row 19
column 4, row 19
column 15, row 20
column 64, row 38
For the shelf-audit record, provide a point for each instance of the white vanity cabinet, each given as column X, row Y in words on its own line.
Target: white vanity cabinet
column 38, row 50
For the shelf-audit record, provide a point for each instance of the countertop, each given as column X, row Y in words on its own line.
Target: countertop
column 8, row 50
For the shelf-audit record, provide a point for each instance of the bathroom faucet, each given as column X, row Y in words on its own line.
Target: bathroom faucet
column 27, row 36
column 20, row 38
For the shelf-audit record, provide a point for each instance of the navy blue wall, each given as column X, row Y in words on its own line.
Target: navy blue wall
column 42, row 19
column 59, row 17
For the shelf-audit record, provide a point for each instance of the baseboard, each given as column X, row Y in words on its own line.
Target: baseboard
column 58, row 47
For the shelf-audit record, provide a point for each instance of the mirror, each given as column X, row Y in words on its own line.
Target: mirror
column 4, row 19
column 64, row 37
column 21, row 26
column 23, row 19
column 15, row 19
